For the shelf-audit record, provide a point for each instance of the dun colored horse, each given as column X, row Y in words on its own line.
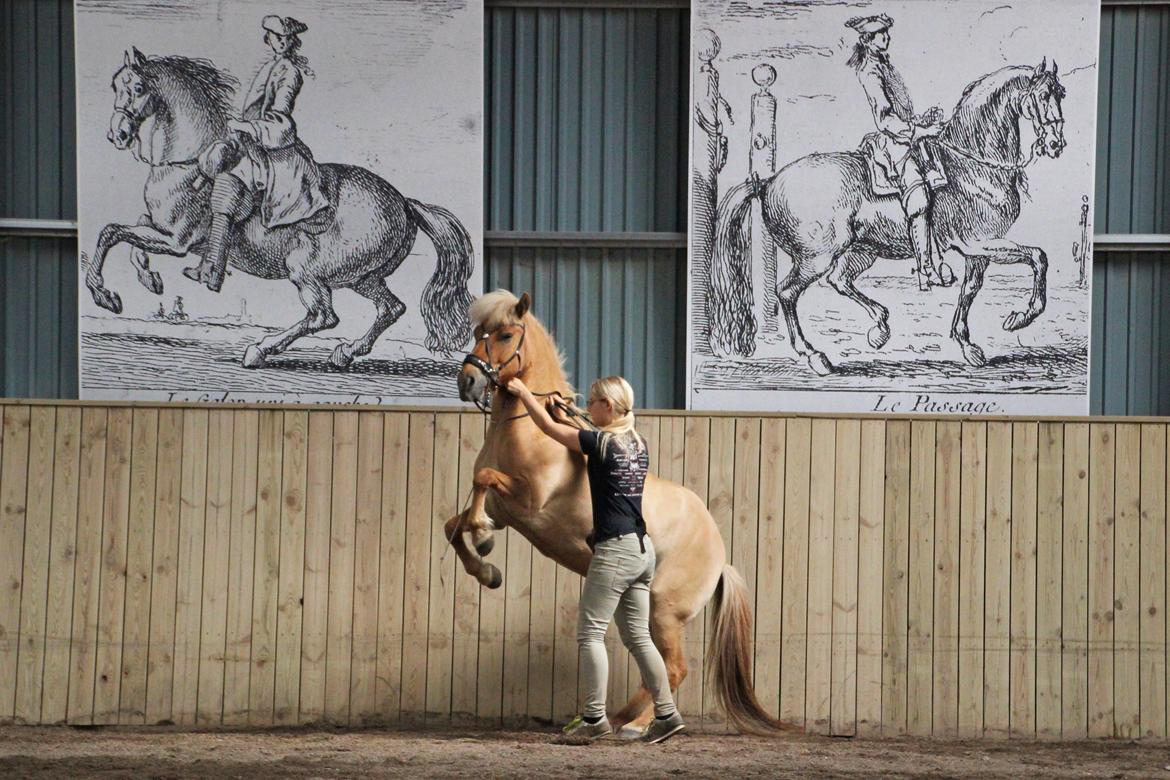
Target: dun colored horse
column 528, row 482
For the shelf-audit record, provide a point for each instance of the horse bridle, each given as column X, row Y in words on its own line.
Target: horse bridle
column 493, row 376
column 1031, row 110
column 493, row 372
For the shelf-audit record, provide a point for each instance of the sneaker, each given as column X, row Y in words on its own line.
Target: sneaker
column 579, row 728
column 662, row 729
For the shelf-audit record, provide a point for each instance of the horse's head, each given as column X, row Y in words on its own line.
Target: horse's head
column 134, row 100
column 498, row 354
column 1041, row 105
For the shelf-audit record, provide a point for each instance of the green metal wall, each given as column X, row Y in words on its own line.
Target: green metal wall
column 587, row 116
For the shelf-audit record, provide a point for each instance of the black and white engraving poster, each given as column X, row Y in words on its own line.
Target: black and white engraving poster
column 891, row 205
column 279, row 201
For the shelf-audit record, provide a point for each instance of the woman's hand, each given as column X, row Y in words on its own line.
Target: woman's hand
column 516, row 387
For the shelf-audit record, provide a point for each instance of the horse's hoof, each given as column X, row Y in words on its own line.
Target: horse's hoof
column 486, row 546
column 878, row 335
column 494, row 577
column 1017, row 320
column 340, row 358
column 973, row 354
column 151, row 281
column 946, row 275
column 107, row 299
column 253, row 357
column 820, row 364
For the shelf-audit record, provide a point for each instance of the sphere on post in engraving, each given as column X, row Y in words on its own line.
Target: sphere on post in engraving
column 764, row 75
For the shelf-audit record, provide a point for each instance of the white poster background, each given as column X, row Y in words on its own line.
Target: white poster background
column 939, row 46
column 398, row 90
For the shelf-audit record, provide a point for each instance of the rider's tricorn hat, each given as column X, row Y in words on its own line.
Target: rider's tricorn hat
column 283, row 25
column 870, row 24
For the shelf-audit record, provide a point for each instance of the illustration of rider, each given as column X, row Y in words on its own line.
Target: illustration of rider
column 263, row 157
column 899, row 145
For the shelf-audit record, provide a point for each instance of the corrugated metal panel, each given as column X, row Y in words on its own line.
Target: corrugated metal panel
column 586, row 119
column 38, row 321
column 612, row 311
column 37, row 114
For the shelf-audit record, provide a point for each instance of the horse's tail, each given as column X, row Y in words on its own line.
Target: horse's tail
column 729, row 296
column 445, row 299
column 730, row 655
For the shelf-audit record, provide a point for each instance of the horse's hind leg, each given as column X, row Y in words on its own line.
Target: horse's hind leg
column 148, row 278
column 843, row 276
column 389, row 309
column 799, row 278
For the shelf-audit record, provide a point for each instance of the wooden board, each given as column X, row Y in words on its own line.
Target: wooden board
column 14, row 464
column 896, row 566
column 315, row 614
column 416, row 592
column 189, row 588
column 216, row 565
column 997, row 579
column 139, row 562
column 367, row 532
column 846, row 512
column 392, row 559
column 721, row 503
column 1102, row 452
column 1152, row 682
column 1126, row 583
column 266, row 571
column 241, row 567
column 948, row 478
column 441, row 606
column 794, row 610
column 770, row 564
column 168, row 482
column 1049, row 532
column 870, row 561
column 972, row 532
column 696, row 446
column 465, row 643
column 290, row 588
column 1075, row 584
column 1023, row 580
column 920, row 607
column 63, row 540
column 342, row 527
column 34, row 574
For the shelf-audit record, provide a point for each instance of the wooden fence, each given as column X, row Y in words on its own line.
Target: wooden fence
column 273, row 566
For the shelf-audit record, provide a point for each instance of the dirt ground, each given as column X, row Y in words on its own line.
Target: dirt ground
column 168, row 753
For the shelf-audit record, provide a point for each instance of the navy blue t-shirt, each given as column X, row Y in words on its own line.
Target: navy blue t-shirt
column 615, row 486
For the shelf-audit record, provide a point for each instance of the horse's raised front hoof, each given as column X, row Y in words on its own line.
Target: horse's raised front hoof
column 1017, row 320
column 973, row 354
column 151, row 281
column 492, row 577
column 878, row 335
column 486, row 546
column 820, row 364
column 107, row 299
column 340, row 357
column 253, row 357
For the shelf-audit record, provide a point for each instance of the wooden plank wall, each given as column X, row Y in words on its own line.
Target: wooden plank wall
column 205, row 566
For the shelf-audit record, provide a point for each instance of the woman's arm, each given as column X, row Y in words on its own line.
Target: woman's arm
column 565, row 434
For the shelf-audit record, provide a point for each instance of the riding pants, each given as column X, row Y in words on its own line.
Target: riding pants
column 618, row 583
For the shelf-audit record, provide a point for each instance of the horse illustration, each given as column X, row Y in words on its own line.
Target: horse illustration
column 821, row 211
column 527, row 481
column 373, row 230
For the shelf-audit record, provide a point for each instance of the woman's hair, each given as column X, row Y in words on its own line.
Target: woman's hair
column 620, row 395
column 860, row 51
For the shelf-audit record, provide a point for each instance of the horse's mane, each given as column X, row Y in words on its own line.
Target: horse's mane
column 203, row 86
column 977, row 122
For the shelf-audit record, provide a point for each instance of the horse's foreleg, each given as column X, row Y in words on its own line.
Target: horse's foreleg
column 1003, row 251
column 842, row 278
column 789, row 292
column 488, row 575
column 147, row 238
column 389, row 309
column 976, row 267
column 318, row 302
column 476, row 524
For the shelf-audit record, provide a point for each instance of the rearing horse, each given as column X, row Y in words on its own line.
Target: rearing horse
column 821, row 211
column 169, row 110
column 527, row 481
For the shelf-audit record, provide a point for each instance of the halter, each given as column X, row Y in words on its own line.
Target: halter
column 138, row 122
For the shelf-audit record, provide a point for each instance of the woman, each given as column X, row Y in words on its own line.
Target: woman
column 618, row 580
